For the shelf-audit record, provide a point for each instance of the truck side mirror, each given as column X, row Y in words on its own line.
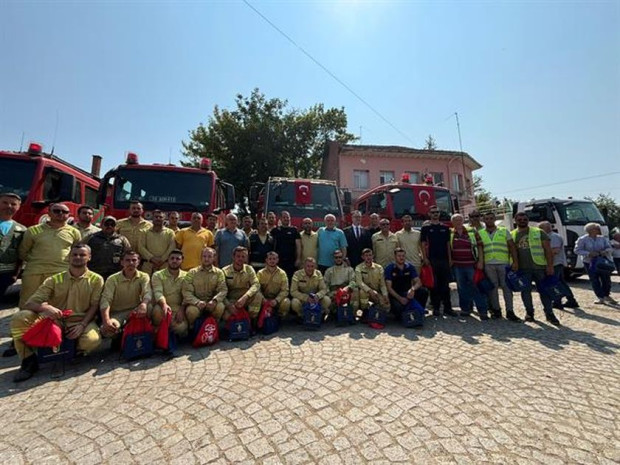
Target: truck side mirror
column 346, row 209
column 230, row 196
column 347, row 199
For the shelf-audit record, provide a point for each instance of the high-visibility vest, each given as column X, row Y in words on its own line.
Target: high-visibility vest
column 536, row 249
column 496, row 247
column 472, row 238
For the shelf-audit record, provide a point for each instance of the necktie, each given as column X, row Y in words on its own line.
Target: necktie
column 357, row 232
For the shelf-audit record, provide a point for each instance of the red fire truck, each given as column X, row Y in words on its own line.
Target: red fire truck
column 166, row 188
column 396, row 199
column 302, row 198
column 41, row 179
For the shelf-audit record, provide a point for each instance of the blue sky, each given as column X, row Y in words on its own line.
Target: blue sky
column 536, row 84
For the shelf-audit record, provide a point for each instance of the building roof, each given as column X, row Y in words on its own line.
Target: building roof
column 407, row 152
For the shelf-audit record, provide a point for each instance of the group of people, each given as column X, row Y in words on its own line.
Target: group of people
column 154, row 268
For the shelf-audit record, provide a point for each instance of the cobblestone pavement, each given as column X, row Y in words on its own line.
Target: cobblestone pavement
column 455, row 392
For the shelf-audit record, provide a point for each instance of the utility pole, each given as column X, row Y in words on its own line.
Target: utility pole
column 458, row 129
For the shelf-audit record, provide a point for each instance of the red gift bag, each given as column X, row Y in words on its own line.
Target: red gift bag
column 342, row 297
column 478, row 276
column 427, row 277
column 162, row 337
column 45, row 332
column 208, row 334
column 265, row 312
column 137, row 323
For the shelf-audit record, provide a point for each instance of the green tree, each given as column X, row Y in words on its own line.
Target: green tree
column 484, row 198
column 430, row 143
column 262, row 137
column 609, row 208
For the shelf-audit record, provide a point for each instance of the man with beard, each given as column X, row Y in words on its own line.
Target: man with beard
column 167, row 287
column 242, row 286
column 204, row 289
column 108, row 248
column 192, row 241
column 85, row 221
column 288, row 244
column 309, row 240
column 155, row 244
column 132, row 226
column 274, row 285
column 228, row 239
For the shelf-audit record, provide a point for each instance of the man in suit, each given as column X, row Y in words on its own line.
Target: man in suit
column 358, row 239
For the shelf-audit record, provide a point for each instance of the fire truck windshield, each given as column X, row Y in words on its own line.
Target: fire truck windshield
column 444, row 204
column 163, row 189
column 16, row 176
column 323, row 200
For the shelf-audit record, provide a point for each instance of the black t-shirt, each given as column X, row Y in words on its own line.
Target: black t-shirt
column 401, row 279
column 285, row 242
column 438, row 237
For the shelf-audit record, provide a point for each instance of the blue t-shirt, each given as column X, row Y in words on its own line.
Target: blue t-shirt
column 330, row 240
column 401, row 279
column 225, row 243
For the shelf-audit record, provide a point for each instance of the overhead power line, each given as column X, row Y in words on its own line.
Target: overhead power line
column 330, row 73
column 561, row 182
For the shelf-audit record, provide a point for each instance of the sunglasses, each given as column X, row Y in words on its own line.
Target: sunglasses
column 58, row 211
column 434, row 213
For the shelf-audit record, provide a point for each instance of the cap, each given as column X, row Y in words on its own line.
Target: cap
column 10, row 194
column 108, row 218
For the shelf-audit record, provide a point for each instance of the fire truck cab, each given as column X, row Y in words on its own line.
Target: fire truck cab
column 41, row 179
column 165, row 187
column 396, row 199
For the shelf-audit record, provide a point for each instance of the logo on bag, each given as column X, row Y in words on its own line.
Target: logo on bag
column 139, row 344
column 209, row 334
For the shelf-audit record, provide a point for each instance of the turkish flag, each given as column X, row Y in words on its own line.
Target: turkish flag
column 303, row 192
column 423, row 199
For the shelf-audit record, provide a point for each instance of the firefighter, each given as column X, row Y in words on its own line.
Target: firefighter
column 305, row 282
column 242, row 285
column 132, row 226
column 167, row 287
column 274, row 284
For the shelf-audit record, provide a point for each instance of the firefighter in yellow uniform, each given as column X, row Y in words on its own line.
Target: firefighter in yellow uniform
column 242, row 285
column 308, row 281
column 341, row 275
column 371, row 282
column 126, row 291
column 155, row 244
column 274, row 284
column 204, row 289
column 132, row 226
column 167, row 287
column 77, row 289
column 45, row 249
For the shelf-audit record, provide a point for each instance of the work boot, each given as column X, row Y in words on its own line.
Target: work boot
column 512, row 317
column 28, row 368
column 553, row 320
column 558, row 305
column 529, row 317
column 450, row 312
column 572, row 304
column 10, row 352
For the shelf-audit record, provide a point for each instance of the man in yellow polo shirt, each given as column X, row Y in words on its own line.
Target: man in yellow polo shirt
column 204, row 289
column 155, row 244
column 274, row 284
column 77, row 289
column 309, row 240
column 192, row 242
column 242, row 285
column 126, row 291
column 167, row 287
column 132, row 226
column 45, row 249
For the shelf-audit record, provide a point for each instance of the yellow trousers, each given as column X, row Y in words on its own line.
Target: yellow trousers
column 180, row 329
column 30, row 284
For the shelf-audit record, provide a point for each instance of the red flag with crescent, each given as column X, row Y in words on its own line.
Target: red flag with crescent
column 424, row 198
column 303, row 192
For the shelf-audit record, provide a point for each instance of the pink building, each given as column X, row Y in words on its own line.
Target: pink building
column 363, row 167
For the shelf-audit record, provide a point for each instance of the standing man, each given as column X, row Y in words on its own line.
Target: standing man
column 357, row 239
column 341, row 275
column 307, row 286
column 46, row 249
column 228, row 239
column 373, row 227
column 274, row 284
column 124, row 292
column 261, row 243
column 288, row 244
column 167, row 287
column 403, row 283
column 474, row 221
column 192, row 241
column 108, row 248
column 246, row 225
column 272, row 221
column 435, row 238
column 535, row 261
column 409, row 240
column 212, row 223
column 155, row 244
column 499, row 252
column 204, row 289
column 77, row 289
column 331, row 239
column 242, row 285
column 173, row 221
column 309, row 240
column 371, row 283
column 85, row 221
column 384, row 243
column 559, row 262
column 11, row 235
column 132, row 226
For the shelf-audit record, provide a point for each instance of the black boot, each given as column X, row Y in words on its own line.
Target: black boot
column 29, row 367
column 512, row 317
column 572, row 304
column 10, row 352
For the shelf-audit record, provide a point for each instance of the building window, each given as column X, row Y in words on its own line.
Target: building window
column 457, row 182
column 386, row 177
column 437, row 178
column 414, row 177
column 360, row 179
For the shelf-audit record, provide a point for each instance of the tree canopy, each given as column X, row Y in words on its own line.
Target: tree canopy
column 264, row 137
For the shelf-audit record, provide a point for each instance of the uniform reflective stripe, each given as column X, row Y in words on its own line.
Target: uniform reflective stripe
column 495, row 248
column 58, row 278
column 536, row 249
column 36, row 230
